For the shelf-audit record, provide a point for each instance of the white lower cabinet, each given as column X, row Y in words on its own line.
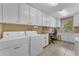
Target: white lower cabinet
column 36, row 45
column 15, row 51
column 44, row 40
column 25, row 46
column 21, row 50
column 18, row 47
column 77, row 48
column 6, row 52
column 66, row 36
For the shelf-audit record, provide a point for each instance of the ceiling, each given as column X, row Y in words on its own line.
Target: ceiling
column 71, row 9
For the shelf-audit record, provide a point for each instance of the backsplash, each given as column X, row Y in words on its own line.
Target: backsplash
column 76, row 29
column 16, row 27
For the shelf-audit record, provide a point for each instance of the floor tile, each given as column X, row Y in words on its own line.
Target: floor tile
column 59, row 49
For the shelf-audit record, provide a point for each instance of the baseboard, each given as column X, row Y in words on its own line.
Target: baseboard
column 46, row 46
column 67, row 41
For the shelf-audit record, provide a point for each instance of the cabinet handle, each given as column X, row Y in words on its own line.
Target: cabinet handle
column 16, row 47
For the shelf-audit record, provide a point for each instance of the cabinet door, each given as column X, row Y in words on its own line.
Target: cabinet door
column 15, row 51
column 66, row 36
column 48, row 19
column 10, row 13
column 33, row 20
column 44, row 20
column 46, row 40
column 36, row 46
column 0, row 13
column 54, row 22
column 21, row 51
column 51, row 22
column 18, row 47
column 58, row 23
column 76, row 48
column 76, row 20
column 24, row 13
column 39, row 18
column 6, row 52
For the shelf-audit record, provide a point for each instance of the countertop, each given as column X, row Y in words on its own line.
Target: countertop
column 11, row 38
column 77, row 39
column 17, row 37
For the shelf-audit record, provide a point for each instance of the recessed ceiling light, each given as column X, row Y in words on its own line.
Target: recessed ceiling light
column 63, row 12
column 53, row 4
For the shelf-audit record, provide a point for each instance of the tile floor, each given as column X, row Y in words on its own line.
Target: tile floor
column 59, row 49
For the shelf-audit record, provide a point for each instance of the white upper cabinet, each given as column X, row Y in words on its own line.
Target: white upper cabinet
column 0, row 13
column 10, row 13
column 44, row 19
column 76, row 20
column 33, row 20
column 58, row 23
column 48, row 21
column 39, row 18
column 52, row 22
column 24, row 14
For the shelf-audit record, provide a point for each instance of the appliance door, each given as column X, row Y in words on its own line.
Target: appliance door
column 36, row 45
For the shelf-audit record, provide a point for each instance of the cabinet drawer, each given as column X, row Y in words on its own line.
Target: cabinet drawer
column 16, row 50
column 11, row 43
column 6, row 52
column 22, row 50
